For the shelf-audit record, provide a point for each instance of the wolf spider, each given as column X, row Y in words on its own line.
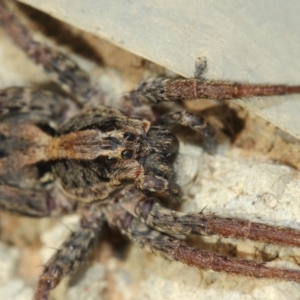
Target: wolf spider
column 114, row 166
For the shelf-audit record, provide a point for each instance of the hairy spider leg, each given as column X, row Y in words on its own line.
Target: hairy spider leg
column 71, row 253
column 45, row 105
column 64, row 70
column 156, row 90
column 187, row 119
column 176, row 250
column 150, row 211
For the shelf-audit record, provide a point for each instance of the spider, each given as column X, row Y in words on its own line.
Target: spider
column 113, row 165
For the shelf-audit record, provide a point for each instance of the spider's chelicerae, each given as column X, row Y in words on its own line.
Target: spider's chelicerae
column 114, row 165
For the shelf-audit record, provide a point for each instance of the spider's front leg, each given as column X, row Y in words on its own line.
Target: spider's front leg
column 177, row 250
column 163, row 89
column 138, row 103
column 71, row 253
column 173, row 222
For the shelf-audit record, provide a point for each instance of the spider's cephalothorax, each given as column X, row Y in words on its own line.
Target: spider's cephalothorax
column 100, row 149
column 114, row 165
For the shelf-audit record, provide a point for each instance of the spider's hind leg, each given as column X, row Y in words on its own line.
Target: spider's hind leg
column 71, row 253
column 63, row 69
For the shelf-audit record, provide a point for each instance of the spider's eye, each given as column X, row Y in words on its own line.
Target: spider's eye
column 127, row 154
column 129, row 136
